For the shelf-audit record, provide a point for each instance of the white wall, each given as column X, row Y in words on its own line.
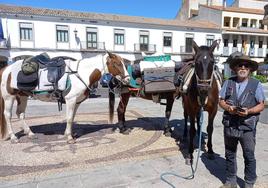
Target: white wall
column 253, row 4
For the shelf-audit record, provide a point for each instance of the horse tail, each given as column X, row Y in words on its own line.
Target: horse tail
column 3, row 127
column 111, row 102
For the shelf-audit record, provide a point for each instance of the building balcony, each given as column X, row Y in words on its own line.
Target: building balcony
column 225, row 51
column 3, row 44
column 260, row 52
column 251, row 52
column 149, row 48
column 186, row 50
column 234, row 49
column 249, row 29
column 92, row 46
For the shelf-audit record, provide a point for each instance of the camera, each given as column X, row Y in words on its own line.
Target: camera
column 240, row 109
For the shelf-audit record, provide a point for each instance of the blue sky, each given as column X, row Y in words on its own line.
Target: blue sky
column 166, row 9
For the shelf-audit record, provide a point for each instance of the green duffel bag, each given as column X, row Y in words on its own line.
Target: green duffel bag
column 29, row 66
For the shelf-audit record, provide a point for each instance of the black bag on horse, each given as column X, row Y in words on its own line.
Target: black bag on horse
column 27, row 82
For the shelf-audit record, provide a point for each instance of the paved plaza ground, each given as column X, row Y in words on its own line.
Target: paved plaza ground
column 104, row 158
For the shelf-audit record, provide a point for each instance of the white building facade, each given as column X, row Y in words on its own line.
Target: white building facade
column 31, row 31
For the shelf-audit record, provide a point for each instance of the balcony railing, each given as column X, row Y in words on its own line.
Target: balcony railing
column 260, row 52
column 3, row 43
column 225, row 51
column 92, row 45
column 234, row 49
column 251, row 52
column 151, row 48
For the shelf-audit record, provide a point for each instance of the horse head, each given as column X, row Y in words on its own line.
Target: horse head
column 117, row 68
column 204, row 68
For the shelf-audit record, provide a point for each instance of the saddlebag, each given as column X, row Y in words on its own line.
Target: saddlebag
column 27, row 82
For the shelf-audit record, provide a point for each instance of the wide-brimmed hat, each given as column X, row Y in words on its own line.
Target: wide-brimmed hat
column 237, row 58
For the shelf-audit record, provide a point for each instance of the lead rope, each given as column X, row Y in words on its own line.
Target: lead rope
column 196, row 164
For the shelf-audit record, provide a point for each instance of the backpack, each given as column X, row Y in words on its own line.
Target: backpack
column 29, row 66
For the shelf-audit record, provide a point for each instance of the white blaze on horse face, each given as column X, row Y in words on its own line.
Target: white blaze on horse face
column 205, row 57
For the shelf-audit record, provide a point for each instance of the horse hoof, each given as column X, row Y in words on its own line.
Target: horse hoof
column 71, row 141
column 32, row 136
column 188, row 161
column 167, row 133
column 211, row 156
column 116, row 130
column 14, row 140
column 125, row 131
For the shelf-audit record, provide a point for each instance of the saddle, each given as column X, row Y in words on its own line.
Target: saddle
column 55, row 67
column 30, row 67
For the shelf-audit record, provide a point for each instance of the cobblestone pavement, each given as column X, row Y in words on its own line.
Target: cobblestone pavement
column 104, row 158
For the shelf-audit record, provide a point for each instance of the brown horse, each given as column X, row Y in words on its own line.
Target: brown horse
column 203, row 92
column 124, row 98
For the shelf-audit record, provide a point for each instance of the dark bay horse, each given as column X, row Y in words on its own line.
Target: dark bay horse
column 124, row 99
column 203, row 92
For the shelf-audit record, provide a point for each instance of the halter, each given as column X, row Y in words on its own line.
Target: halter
column 206, row 83
column 121, row 75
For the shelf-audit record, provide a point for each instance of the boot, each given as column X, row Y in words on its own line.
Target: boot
column 228, row 185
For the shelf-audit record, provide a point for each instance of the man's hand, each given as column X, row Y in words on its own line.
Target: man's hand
column 232, row 110
column 242, row 112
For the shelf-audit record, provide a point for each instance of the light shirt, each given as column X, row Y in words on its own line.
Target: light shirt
column 240, row 87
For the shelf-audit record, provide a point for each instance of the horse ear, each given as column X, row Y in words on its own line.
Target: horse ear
column 195, row 47
column 213, row 46
column 110, row 54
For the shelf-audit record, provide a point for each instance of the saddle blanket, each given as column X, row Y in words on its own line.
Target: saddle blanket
column 156, row 64
column 43, row 83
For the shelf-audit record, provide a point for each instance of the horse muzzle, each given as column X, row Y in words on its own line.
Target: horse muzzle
column 125, row 80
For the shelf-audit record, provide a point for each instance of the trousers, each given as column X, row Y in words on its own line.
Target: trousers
column 248, row 142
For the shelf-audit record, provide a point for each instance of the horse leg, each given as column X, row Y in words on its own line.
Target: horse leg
column 71, row 108
column 185, row 130
column 121, row 110
column 210, row 131
column 9, row 101
column 22, row 103
column 189, row 159
column 167, row 128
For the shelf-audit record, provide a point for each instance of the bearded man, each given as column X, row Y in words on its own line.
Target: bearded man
column 242, row 99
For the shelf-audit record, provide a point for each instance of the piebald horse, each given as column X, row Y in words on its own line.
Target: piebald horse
column 87, row 72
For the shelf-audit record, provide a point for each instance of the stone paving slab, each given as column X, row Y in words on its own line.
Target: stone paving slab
column 102, row 158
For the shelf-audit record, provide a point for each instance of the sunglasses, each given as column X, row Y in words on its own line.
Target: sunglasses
column 241, row 65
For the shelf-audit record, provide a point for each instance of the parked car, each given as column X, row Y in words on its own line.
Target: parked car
column 105, row 79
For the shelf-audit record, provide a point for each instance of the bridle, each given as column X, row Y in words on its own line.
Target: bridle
column 205, row 84
column 120, row 77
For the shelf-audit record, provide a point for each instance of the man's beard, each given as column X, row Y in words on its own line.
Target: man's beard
column 243, row 73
